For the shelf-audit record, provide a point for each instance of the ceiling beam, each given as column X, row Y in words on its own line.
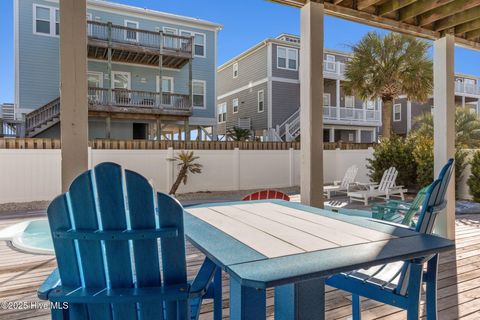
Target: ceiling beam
column 392, row 5
column 446, row 11
column 466, row 27
column 364, row 4
column 471, row 35
column 459, row 18
column 419, row 7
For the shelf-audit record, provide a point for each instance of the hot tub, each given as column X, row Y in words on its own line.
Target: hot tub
column 30, row 236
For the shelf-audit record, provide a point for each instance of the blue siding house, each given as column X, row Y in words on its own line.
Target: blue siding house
column 151, row 75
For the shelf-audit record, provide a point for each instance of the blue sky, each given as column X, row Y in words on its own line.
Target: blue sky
column 246, row 22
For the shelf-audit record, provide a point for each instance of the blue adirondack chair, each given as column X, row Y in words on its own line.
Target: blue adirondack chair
column 398, row 284
column 120, row 249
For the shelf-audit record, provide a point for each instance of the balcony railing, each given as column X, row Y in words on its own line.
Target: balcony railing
column 467, row 88
column 334, row 67
column 350, row 114
column 139, row 99
column 142, row 38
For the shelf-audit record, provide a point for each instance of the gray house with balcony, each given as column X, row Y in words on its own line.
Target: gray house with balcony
column 405, row 113
column 259, row 90
column 151, row 75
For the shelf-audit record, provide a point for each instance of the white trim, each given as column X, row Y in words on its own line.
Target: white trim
column 233, row 105
column 287, row 50
column 327, row 94
column 286, row 80
column 52, row 20
column 16, row 54
column 270, row 85
column 194, row 34
column 353, row 102
column 330, row 56
column 157, row 80
column 409, row 115
column 235, row 70
column 133, row 64
column 400, row 113
column 258, row 101
column 125, row 23
column 112, row 82
column 204, row 94
column 248, row 86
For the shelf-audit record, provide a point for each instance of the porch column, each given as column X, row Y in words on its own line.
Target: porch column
column 332, row 135
column 159, row 129
column 444, row 124
column 311, row 101
column 73, row 89
column 359, row 136
column 187, row 130
column 409, row 115
column 108, row 127
column 463, row 101
column 338, row 99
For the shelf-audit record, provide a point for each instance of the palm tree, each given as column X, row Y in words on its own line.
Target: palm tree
column 238, row 134
column 467, row 127
column 186, row 163
column 385, row 67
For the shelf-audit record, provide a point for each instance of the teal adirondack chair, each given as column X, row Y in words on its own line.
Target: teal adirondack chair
column 399, row 283
column 120, row 250
column 399, row 211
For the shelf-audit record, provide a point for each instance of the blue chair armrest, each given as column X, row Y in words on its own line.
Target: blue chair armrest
column 203, row 279
column 53, row 281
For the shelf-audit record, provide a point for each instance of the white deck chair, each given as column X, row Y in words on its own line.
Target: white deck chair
column 343, row 185
column 386, row 188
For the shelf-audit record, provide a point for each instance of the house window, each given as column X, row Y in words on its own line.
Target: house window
column 261, row 101
column 330, row 62
column 287, row 58
column 199, row 93
column 131, row 35
column 370, row 105
column 235, row 70
column 235, row 105
column 95, row 79
column 169, row 41
column 349, row 101
column 326, row 99
column 397, row 112
column 222, row 112
column 46, row 20
column 199, row 43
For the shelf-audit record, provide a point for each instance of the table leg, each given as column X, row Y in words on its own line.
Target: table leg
column 301, row 301
column 217, row 300
column 247, row 303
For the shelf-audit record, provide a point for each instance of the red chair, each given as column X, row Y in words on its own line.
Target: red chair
column 267, row 194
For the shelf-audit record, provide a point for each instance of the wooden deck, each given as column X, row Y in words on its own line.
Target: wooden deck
column 459, row 280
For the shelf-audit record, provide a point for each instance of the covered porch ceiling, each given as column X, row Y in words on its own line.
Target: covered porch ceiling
column 430, row 19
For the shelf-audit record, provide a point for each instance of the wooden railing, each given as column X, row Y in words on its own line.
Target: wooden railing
column 42, row 115
column 32, row 143
column 136, row 98
column 144, row 38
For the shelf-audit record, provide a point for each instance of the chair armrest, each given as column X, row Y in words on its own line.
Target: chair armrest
column 336, row 183
column 203, row 279
column 53, row 281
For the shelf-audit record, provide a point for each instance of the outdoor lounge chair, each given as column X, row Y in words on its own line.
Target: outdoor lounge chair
column 392, row 210
column 343, row 185
column 399, row 283
column 267, row 194
column 105, row 232
column 386, row 188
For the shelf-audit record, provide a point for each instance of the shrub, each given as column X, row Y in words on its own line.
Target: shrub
column 397, row 152
column 423, row 155
column 474, row 179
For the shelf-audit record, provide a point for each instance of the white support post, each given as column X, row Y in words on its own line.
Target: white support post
column 359, row 136
column 463, row 101
column 444, row 124
column 332, row 135
column 338, row 99
column 409, row 116
column 311, row 101
column 73, row 90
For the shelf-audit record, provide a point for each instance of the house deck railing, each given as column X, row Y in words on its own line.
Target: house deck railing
column 334, row 67
column 136, row 98
column 468, row 88
column 351, row 114
column 42, row 115
column 142, row 38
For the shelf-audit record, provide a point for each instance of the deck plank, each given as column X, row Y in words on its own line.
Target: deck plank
column 459, row 281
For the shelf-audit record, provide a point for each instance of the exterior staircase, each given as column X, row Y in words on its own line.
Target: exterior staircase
column 288, row 131
column 42, row 118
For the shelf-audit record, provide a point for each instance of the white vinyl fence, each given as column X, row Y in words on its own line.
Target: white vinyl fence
column 33, row 175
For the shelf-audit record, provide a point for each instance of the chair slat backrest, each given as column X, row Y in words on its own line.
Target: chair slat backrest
column 108, row 198
column 350, row 176
column 388, row 179
column 267, row 194
column 433, row 204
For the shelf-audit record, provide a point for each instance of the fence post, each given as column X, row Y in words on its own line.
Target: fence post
column 291, row 162
column 236, row 168
column 170, row 169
